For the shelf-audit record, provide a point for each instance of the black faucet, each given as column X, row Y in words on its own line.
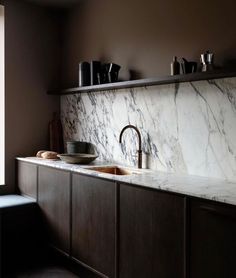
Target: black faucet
column 139, row 143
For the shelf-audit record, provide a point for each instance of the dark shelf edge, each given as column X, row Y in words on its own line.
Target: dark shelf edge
column 146, row 82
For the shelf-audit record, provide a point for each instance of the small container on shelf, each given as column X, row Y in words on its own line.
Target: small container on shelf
column 95, row 71
column 174, row 67
column 207, row 61
column 84, row 74
column 188, row 66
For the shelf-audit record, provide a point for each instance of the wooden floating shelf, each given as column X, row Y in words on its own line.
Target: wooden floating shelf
column 145, row 82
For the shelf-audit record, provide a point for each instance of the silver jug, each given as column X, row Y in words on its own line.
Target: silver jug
column 207, row 61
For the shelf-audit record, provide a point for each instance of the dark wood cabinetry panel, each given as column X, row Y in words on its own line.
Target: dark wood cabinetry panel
column 54, row 201
column 151, row 234
column 27, row 179
column 94, row 223
column 125, row 231
column 213, row 240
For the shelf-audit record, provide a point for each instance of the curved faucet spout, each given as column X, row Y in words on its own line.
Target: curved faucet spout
column 139, row 142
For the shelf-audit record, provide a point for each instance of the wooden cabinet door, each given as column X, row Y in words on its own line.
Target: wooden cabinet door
column 212, row 240
column 151, row 234
column 27, row 179
column 94, row 223
column 54, row 201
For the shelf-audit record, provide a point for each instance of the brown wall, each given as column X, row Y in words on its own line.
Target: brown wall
column 137, row 34
column 32, row 46
column 144, row 35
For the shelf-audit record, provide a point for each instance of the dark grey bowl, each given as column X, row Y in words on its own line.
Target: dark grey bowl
column 77, row 158
column 74, row 147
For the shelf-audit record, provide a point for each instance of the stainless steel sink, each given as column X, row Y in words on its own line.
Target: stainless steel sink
column 114, row 170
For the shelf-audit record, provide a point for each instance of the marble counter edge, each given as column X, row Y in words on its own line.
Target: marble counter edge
column 201, row 187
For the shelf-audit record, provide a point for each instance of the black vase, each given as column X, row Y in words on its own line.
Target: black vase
column 84, row 74
column 95, row 71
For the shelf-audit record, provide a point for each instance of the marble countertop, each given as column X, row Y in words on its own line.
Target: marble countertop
column 207, row 188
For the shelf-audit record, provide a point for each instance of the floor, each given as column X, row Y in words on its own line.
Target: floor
column 45, row 272
column 53, row 267
column 50, row 264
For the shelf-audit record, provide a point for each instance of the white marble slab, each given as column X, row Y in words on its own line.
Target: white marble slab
column 186, row 128
column 207, row 188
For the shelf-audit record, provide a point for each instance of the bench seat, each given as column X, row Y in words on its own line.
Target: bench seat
column 20, row 232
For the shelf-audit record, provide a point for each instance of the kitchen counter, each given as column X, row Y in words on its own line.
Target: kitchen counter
column 207, row 188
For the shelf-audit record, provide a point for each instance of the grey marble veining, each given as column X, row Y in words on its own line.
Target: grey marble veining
column 207, row 188
column 186, row 128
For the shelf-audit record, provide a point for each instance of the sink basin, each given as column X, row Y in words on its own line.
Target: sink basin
column 114, row 170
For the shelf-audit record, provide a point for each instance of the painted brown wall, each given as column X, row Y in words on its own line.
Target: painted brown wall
column 31, row 67
column 144, row 35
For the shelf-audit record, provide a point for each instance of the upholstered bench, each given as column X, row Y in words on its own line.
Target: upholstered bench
column 19, row 231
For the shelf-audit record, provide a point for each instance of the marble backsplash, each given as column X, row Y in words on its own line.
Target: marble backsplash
column 186, row 128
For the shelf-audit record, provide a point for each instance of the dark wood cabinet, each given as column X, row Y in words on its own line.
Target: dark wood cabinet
column 27, row 179
column 151, row 234
column 54, row 201
column 94, row 223
column 126, row 231
column 212, row 240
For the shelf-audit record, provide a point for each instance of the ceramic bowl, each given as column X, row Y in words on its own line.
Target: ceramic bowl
column 77, row 158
